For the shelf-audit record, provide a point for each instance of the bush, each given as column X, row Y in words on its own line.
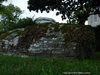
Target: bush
column 22, row 23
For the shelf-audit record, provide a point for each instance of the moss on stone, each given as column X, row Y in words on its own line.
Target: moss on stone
column 21, row 33
column 4, row 35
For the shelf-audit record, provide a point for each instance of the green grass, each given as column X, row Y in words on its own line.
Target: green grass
column 10, row 65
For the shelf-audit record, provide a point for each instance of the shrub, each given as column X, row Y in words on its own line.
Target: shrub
column 22, row 23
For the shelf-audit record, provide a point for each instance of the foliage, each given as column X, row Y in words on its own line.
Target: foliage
column 22, row 23
column 10, row 14
column 25, row 21
column 1, row 27
column 2, row 6
column 77, row 10
column 10, row 65
column 2, row 1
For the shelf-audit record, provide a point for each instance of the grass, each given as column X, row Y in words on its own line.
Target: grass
column 10, row 65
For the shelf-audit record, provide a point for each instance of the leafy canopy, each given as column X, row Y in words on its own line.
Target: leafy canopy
column 78, row 10
column 10, row 14
column 1, row 6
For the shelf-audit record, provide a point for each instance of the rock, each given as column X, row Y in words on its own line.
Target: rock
column 10, row 42
column 51, row 40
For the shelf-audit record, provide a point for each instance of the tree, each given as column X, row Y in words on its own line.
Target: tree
column 22, row 23
column 2, row 6
column 10, row 14
column 77, row 9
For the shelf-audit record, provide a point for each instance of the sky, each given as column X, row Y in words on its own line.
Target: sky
column 22, row 4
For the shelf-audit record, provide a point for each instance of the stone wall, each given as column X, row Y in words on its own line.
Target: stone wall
column 52, row 40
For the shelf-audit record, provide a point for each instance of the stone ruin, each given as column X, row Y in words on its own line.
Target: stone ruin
column 57, row 41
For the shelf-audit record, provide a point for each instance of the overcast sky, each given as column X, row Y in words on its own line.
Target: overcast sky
column 22, row 4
